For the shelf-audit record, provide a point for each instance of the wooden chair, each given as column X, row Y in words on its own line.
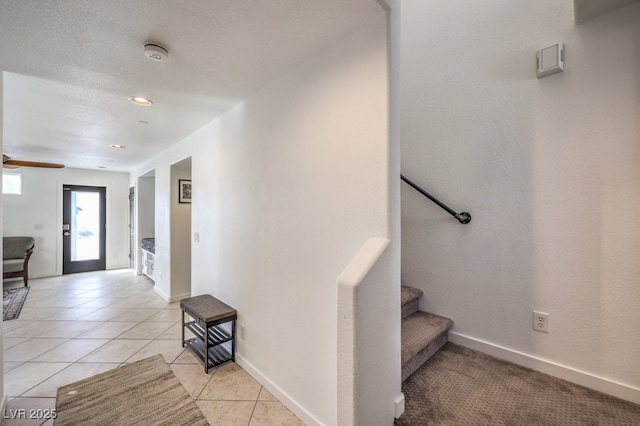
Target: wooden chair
column 16, row 252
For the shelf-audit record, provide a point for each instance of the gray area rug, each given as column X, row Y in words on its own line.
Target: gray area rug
column 459, row 386
column 143, row 393
column 12, row 302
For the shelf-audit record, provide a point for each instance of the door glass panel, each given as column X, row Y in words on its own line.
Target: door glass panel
column 85, row 225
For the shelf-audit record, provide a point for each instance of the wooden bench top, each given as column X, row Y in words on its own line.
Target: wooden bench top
column 208, row 309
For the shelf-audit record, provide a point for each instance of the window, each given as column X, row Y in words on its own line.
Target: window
column 11, row 183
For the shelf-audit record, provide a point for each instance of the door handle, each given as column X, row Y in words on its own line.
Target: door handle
column 67, row 234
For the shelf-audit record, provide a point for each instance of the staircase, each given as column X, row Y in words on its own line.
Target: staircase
column 423, row 334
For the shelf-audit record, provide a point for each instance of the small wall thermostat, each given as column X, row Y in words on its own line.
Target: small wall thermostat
column 550, row 60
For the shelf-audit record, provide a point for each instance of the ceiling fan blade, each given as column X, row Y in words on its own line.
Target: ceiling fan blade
column 18, row 163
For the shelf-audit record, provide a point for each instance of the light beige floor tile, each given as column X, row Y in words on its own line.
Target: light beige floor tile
column 104, row 314
column 30, row 349
column 40, row 313
column 28, row 411
column 188, row 358
column 108, row 330
column 8, row 342
column 265, row 395
column 175, row 332
column 169, row 349
column 231, row 383
column 71, row 329
column 155, row 302
column 28, row 375
column 166, row 315
column 71, row 374
column 33, row 328
column 229, row 413
column 145, row 330
column 116, row 351
column 135, row 314
column 72, row 350
column 273, row 414
column 102, row 293
column 192, row 377
column 12, row 325
column 99, row 302
column 129, row 303
column 46, row 301
column 10, row 365
column 75, row 313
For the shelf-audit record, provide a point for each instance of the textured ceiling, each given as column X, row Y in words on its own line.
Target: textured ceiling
column 69, row 67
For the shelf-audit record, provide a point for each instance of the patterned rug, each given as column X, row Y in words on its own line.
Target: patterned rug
column 145, row 392
column 12, row 302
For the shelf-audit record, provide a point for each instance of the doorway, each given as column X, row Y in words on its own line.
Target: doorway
column 83, row 228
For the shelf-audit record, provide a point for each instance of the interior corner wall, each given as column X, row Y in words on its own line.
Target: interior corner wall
column 180, row 234
column 289, row 185
column 549, row 169
column 2, row 395
column 145, row 196
column 37, row 212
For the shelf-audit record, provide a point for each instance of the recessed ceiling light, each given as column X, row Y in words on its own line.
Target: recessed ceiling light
column 116, row 146
column 139, row 100
column 155, row 52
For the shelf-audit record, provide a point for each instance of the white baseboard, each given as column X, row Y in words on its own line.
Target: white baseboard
column 3, row 403
column 161, row 293
column 170, row 299
column 398, row 406
column 179, row 297
column 583, row 378
column 306, row 417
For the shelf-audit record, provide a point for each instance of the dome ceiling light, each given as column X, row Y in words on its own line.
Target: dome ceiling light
column 139, row 100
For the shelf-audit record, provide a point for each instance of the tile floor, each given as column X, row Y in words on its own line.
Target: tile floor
column 75, row 326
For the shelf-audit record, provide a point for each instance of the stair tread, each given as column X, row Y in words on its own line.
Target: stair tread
column 420, row 329
column 409, row 294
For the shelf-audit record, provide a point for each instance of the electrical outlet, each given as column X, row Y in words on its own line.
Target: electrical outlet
column 541, row 321
column 242, row 331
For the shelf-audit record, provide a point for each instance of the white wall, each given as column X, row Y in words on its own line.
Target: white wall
column 3, row 401
column 38, row 213
column 288, row 187
column 145, row 210
column 180, row 234
column 550, row 171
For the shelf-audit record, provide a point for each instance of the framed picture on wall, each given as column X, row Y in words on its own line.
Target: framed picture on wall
column 184, row 191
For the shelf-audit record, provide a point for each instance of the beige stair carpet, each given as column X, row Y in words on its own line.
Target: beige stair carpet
column 459, row 386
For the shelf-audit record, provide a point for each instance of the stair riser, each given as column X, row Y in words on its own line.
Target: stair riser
column 410, row 308
column 409, row 367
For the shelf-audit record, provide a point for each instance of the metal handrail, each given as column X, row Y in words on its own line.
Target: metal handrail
column 462, row 217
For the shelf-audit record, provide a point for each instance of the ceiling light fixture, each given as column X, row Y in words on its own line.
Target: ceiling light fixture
column 139, row 100
column 155, row 52
column 116, row 146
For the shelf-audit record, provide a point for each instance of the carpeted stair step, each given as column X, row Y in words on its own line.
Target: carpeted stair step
column 410, row 302
column 423, row 334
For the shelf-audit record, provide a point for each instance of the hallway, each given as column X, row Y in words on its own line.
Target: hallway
column 76, row 326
